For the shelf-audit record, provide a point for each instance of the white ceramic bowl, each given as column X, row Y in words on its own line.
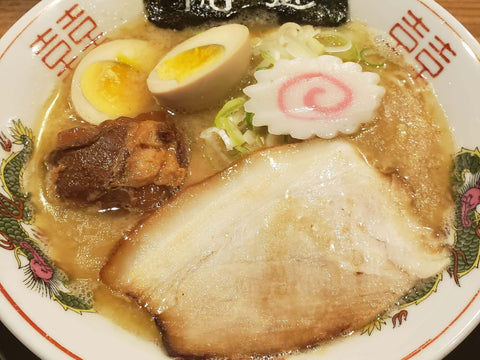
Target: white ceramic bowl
column 40, row 47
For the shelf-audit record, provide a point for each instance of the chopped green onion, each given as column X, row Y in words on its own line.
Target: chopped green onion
column 232, row 131
column 267, row 56
column 334, row 42
column 223, row 121
column 249, row 120
column 370, row 58
column 351, row 54
column 242, row 149
column 228, row 109
column 208, row 135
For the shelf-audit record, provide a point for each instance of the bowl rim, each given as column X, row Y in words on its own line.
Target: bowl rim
column 18, row 322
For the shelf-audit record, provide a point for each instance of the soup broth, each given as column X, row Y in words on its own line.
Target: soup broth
column 409, row 139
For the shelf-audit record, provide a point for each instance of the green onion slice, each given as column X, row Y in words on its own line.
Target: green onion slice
column 222, row 120
column 334, row 42
column 351, row 54
column 267, row 56
column 370, row 58
column 249, row 120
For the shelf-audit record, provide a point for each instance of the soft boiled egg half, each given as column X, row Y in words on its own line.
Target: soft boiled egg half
column 201, row 70
column 111, row 80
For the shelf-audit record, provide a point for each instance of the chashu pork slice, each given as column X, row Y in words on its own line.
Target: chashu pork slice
column 292, row 245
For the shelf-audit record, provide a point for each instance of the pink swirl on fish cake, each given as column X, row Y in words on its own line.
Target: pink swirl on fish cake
column 312, row 108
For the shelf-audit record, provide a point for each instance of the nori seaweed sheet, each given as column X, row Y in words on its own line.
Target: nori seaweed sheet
column 177, row 14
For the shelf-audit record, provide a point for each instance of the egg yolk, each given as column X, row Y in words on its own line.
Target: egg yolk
column 116, row 88
column 189, row 62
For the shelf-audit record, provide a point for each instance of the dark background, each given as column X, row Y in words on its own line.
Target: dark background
column 467, row 11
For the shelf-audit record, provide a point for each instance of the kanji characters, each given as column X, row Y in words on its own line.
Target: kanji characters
column 60, row 45
column 431, row 54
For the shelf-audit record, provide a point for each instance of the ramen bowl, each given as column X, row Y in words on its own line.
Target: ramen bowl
column 44, row 47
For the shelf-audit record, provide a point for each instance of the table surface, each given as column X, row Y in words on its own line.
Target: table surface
column 466, row 11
